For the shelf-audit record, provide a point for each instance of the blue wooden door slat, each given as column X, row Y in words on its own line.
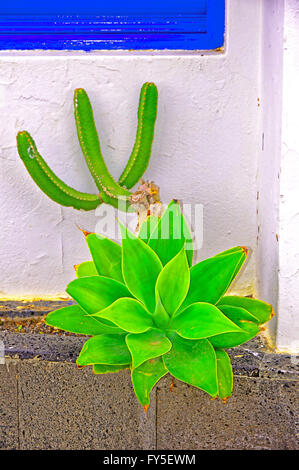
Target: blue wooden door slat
column 100, row 7
column 201, row 30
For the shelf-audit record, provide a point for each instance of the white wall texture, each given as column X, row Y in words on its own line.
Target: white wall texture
column 207, row 149
column 288, row 324
column 278, row 171
column 268, row 168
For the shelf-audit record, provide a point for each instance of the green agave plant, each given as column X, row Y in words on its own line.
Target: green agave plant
column 149, row 310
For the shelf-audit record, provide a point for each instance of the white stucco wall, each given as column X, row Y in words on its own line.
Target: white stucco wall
column 205, row 149
column 268, row 168
column 288, row 323
column 278, row 171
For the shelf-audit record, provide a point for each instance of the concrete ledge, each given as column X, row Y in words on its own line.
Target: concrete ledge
column 251, row 360
column 46, row 403
column 46, row 347
column 17, row 308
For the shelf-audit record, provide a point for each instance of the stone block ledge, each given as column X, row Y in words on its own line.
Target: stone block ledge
column 47, row 403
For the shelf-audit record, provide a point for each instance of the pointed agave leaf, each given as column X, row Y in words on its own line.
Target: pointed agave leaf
column 244, row 320
column 262, row 311
column 86, row 269
column 235, row 249
column 145, row 377
column 160, row 316
column 237, row 269
column 193, row 362
column 230, row 340
column 106, row 255
column 224, row 374
column 108, row 369
column 75, row 320
column 147, row 228
column 141, row 267
column 152, row 343
column 171, row 234
column 128, row 314
column 237, row 313
column 202, row 320
column 173, row 283
column 96, row 293
column 104, row 349
column 210, row 278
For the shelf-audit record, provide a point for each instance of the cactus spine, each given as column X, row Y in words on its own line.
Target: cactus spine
column 110, row 192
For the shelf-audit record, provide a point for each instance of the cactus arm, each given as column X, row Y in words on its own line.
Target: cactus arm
column 147, row 113
column 110, row 191
column 48, row 182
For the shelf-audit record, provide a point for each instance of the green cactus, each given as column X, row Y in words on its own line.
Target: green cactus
column 148, row 310
column 110, row 192
column 48, row 182
column 147, row 113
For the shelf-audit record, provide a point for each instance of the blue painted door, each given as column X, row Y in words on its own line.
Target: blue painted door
column 94, row 24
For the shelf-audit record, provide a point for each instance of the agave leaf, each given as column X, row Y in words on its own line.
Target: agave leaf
column 237, row 313
column 160, row 316
column 141, row 267
column 171, row 234
column 144, row 346
column 106, row 255
column 202, row 320
column 147, row 228
column 96, row 293
column 193, row 362
column 224, row 374
column 230, row 340
column 108, row 369
column 173, row 282
column 235, row 249
column 104, row 349
column 244, row 320
column 75, row 320
column 86, row 269
column 210, row 278
column 145, row 377
column 128, row 314
column 262, row 311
